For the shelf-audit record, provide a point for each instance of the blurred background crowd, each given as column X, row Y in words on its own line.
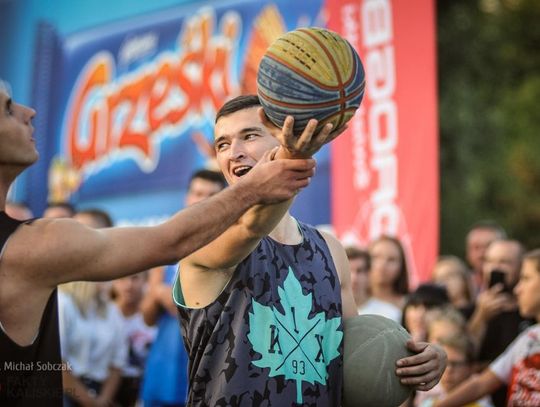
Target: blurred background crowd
column 117, row 335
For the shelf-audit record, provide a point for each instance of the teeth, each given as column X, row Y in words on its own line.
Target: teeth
column 239, row 171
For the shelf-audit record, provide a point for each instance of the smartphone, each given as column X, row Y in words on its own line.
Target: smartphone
column 499, row 277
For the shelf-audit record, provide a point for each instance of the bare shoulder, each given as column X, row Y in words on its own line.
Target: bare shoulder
column 338, row 255
column 342, row 267
column 201, row 286
column 335, row 246
column 34, row 238
column 41, row 248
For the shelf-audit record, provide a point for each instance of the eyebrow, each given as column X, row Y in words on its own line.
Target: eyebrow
column 243, row 131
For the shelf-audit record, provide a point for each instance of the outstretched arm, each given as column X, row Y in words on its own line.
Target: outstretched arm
column 58, row 251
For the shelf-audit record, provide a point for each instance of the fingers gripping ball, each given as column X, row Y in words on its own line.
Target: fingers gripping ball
column 310, row 73
column 372, row 345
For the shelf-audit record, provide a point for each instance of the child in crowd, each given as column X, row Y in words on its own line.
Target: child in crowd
column 425, row 298
column 459, row 367
column 445, row 322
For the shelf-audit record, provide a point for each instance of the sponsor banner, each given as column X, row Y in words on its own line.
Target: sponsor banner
column 384, row 170
column 121, row 105
column 125, row 102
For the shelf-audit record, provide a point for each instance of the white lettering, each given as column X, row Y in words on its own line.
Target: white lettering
column 381, row 81
column 383, row 127
column 361, row 178
column 376, row 22
column 382, row 116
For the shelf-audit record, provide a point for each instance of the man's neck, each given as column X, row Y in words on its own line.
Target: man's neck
column 286, row 231
column 7, row 176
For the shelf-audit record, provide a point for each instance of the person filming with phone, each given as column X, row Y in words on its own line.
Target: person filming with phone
column 496, row 322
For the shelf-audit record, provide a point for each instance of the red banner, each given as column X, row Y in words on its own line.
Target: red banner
column 385, row 168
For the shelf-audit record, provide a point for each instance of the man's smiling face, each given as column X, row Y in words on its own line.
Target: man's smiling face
column 240, row 140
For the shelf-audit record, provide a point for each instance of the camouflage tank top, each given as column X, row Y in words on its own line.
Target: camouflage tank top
column 273, row 336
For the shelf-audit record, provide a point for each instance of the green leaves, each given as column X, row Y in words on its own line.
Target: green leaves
column 489, row 89
column 291, row 343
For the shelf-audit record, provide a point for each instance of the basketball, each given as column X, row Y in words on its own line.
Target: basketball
column 372, row 345
column 310, row 73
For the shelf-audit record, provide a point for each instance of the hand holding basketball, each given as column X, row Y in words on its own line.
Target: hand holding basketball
column 312, row 138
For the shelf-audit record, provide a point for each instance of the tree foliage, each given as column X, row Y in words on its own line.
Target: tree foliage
column 489, row 90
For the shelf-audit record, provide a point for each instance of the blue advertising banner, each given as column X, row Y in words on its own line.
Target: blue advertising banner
column 127, row 105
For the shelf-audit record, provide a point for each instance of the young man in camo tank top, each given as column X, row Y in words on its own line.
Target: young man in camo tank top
column 262, row 306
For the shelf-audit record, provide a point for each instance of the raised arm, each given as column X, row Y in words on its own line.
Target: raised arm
column 240, row 239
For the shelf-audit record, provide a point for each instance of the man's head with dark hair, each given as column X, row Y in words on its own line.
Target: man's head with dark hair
column 359, row 264
column 236, row 104
column 241, row 137
column 488, row 224
column 425, row 298
column 480, row 235
column 96, row 218
column 59, row 210
column 429, row 295
column 354, row 252
column 203, row 184
column 503, row 255
column 210, row 175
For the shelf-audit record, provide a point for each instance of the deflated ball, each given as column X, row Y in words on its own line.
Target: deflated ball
column 372, row 345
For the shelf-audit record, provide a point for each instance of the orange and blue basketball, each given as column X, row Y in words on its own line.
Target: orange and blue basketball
column 310, row 73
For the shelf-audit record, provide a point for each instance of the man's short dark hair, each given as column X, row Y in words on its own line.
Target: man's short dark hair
column 429, row 295
column 209, row 175
column 63, row 205
column 238, row 103
column 100, row 215
column 354, row 252
column 533, row 255
column 488, row 224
